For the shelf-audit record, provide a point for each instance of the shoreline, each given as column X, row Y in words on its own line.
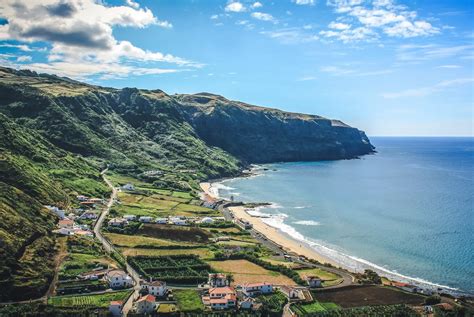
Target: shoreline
column 293, row 245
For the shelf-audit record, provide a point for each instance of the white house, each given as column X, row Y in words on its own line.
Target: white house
column 88, row 215
column 161, row 221
column 81, row 198
column 66, row 231
column 254, row 289
column 207, row 220
column 247, row 303
column 115, row 308
column 145, row 219
column 155, row 288
column 130, row 217
column 314, row 281
column 57, row 211
column 146, row 304
column 119, row 279
column 117, row 222
column 128, row 187
column 217, row 280
column 178, row 221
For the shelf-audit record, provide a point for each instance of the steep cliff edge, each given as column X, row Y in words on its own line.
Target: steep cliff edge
column 262, row 135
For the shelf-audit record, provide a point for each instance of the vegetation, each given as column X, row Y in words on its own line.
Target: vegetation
column 179, row 269
column 272, row 305
column 188, row 300
column 307, row 309
column 382, row 311
column 98, row 300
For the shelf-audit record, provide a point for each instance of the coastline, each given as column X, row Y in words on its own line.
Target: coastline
column 295, row 246
column 280, row 238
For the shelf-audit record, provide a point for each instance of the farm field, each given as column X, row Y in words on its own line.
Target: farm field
column 328, row 278
column 280, row 262
column 129, row 241
column 77, row 263
column 355, row 296
column 98, row 300
column 247, row 272
column 176, row 233
column 201, row 252
column 188, row 300
column 178, row 269
column 315, row 307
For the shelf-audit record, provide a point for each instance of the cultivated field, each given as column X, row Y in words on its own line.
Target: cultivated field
column 99, row 300
column 188, row 300
column 355, row 296
column 248, row 272
column 176, row 233
column 129, row 241
column 201, row 252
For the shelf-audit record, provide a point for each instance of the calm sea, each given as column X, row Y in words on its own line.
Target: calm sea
column 406, row 211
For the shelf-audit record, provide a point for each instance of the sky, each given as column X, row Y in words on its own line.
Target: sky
column 390, row 68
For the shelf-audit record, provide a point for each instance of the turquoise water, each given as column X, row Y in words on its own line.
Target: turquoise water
column 406, row 211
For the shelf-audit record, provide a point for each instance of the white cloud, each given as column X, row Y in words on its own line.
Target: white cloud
column 214, row 17
column 235, row 7
column 381, row 17
column 22, row 47
column 410, row 52
column 263, row 16
column 257, row 5
column 133, row 4
column 307, row 78
column 304, row 2
column 291, row 36
column 347, row 71
column 80, row 33
column 339, row 26
column 23, row 58
column 449, row 66
column 429, row 90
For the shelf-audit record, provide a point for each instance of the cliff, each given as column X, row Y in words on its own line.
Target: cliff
column 56, row 134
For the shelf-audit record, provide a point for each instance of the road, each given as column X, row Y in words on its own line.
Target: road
column 111, row 249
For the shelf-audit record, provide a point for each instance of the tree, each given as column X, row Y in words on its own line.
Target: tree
column 229, row 278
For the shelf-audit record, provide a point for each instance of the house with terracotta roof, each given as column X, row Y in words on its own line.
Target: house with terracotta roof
column 155, row 288
column 221, row 298
column 255, row 289
column 118, row 279
column 146, row 304
column 115, row 307
column 217, row 280
column 66, row 223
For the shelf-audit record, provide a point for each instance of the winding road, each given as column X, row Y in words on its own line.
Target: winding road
column 111, row 249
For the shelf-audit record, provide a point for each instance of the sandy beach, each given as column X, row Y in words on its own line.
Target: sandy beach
column 287, row 243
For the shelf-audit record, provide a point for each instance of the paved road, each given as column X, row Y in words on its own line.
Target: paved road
column 110, row 248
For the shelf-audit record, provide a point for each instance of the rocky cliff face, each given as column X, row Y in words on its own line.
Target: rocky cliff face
column 263, row 135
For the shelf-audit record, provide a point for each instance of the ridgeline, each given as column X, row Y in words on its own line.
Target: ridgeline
column 56, row 134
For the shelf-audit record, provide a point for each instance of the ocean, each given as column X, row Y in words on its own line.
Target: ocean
column 406, row 211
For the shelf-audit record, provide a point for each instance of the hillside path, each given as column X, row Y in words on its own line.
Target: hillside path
column 111, row 249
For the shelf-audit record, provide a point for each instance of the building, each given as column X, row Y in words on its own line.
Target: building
column 221, row 298
column 207, row 220
column 247, row 303
column 115, row 307
column 81, row 198
column 296, row 293
column 96, row 200
column 128, row 187
column 66, row 223
column 155, row 288
column 118, row 279
column 146, row 304
column 217, row 280
column 244, row 224
column 161, row 221
column 145, row 219
column 255, row 289
column 130, row 217
column 178, row 221
column 314, row 281
column 65, row 231
column 117, row 222
column 88, row 215
column 57, row 211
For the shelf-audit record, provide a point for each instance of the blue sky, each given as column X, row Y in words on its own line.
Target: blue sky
column 386, row 67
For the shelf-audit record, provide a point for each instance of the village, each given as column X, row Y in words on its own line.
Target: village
column 188, row 258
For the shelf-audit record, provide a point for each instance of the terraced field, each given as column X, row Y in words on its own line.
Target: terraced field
column 99, row 300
